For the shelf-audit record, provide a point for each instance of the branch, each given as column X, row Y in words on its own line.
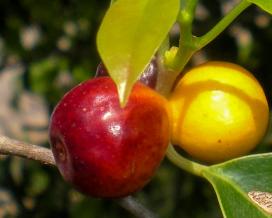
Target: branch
column 222, row 24
column 10, row 146
column 135, row 207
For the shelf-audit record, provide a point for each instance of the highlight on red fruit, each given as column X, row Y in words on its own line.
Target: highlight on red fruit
column 104, row 150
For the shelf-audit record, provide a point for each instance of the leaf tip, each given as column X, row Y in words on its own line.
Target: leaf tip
column 124, row 90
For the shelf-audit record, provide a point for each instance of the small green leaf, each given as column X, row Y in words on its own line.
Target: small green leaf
column 266, row 5
column 233, row 180
column 129, row 36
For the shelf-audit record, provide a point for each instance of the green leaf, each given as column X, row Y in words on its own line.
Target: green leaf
column 233, row 180
column 266, row 5
column 129, row 36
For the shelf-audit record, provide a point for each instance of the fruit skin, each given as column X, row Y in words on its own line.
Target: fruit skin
column 101, row 70
column 102, row 149
column 219, row 111
column 148, row 77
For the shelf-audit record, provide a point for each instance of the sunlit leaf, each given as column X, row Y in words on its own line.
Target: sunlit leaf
column 129, row 36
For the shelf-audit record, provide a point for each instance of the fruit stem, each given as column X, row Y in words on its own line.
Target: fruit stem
column 202, row 41
column 188, row 43
column 186, row 47
column 112, row 1
column 164, row 80
column 183, row 163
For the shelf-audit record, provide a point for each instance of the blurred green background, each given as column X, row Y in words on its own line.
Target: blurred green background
column 46, row 47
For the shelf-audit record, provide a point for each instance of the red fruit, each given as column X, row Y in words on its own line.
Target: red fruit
column 101, row 70
column 150, row 74
column 105, row 150
column 148, row 77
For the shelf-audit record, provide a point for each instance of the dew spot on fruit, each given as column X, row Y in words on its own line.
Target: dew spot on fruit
column 106, row 115
column 84, row 109
column 115, row 129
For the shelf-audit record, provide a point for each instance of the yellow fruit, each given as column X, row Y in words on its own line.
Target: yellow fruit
column 219, row 111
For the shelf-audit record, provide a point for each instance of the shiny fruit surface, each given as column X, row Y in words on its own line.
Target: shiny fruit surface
column 102, row 149
column 101, row 70
column 219, row 111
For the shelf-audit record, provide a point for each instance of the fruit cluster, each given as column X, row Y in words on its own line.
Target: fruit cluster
column 217, row 111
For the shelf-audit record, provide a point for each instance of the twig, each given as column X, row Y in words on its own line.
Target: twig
column 10, row 146
column 135, row 208
column 13, row 147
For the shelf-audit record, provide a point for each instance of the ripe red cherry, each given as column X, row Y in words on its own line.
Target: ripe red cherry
column 105, row 150
column 148, row 77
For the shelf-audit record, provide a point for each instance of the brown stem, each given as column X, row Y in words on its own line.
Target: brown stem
column 135, row 207
column 13, row 147
column 10, row 146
